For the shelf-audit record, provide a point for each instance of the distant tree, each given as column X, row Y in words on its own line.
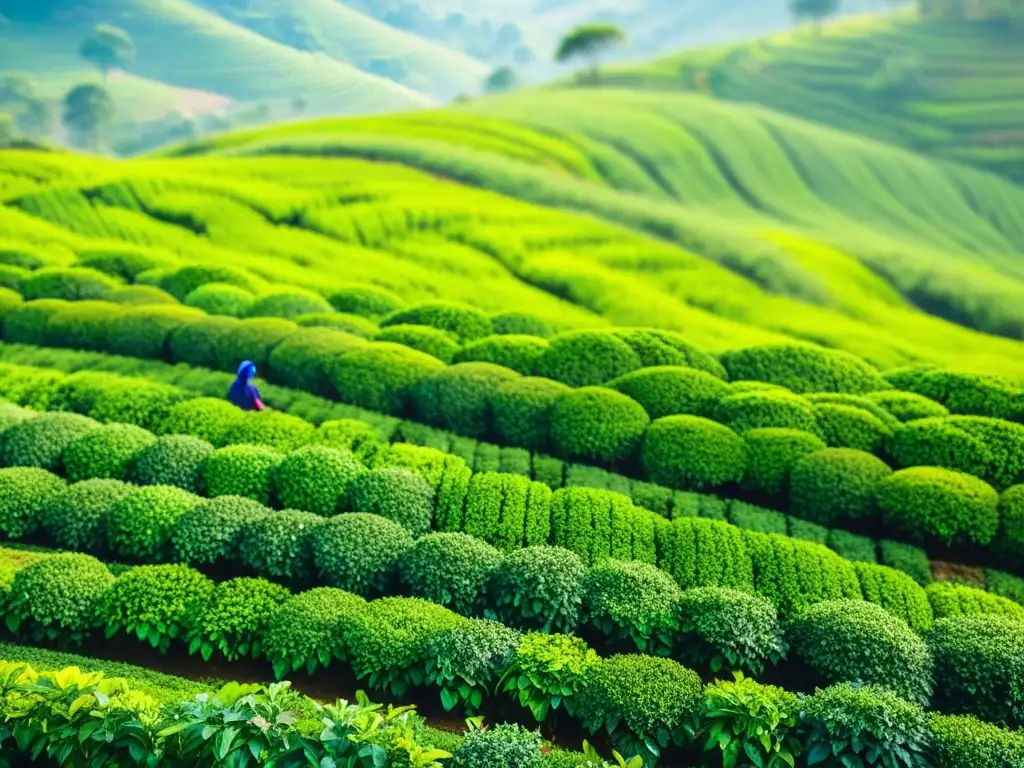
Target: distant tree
column 15, row 89
column 500, row 80
column 6, row 129
column 299, row 105
column 108, row 47
column 17, row 97
column 589, row 42
column 88, row 111
column 815, row 10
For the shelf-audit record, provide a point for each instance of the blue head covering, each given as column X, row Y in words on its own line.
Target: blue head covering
column 247, row 369
column 243, row 392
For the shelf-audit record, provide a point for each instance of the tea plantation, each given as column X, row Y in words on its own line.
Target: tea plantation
column 605, row 426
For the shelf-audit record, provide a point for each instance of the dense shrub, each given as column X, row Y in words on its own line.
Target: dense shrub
column 280, row 545
column 518, row 353
column 315, row 479
column 445, row 473
column 754, row 518
column 11, row 277
column 423, row 338
column 381, row 376
column 939, row 503
column 272, row 429
column 68, row 283
column 57, row 598
column 949, row 599
column 210, row 533
column 182, row 281
column 215, row 421
column 340, row 321
column 522, row 411
column 221, row 299
column 123, row 261
column 597, row 424
column 155, row 602
column 743, row 717
column 76, row 517
column 632, row 600
column 27, row 323
column 241, row 470
column 11, row 414
column 586, row 358
column 195, row 342
column 24, row 493
column 310, row 630
column 105, row 452
column 691, row 452
column 642, row 702
column 855, row 640
column 289, row 303
column 171, row 460
column 907, row 406
column 598, row 524
column 844, row 426
column 359, row 552
column 141, row 295
column 40, row 441
column 139, row 525
column 235, row 618
column 537, row 588
column 771, row 455
column 466, row 660
column 395, row 494
column 808, row 531
column 858, row 725
column 835, row 484
column 521, row 324
column 1005, row 585
column 897, row 593
column 356, row 437
column 547, row 671
column 82, row 325
column 458, row 397
column 451, row 569
column 979, row 667
column 705, row 553
column 962, row 741
column 907, row 558
column 464, row 322
column 302, row 360
column 757, row 410
column 658, row 347
column 852, row 546
column 802, row 368
column 146, row 331
column 506, row 744
column 253, row 339
column 365, row 300
column 729, row 630
column 671, row 390
column 969, row 393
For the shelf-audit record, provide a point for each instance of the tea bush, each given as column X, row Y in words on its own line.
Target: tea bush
column 671, row 390
column 205, row 418
column 381, row 376
column 171, row 460
column 241, row 470
column 183, row 280
column 25, row 492
column 340, row 321
column 304, row 358
column 907, row 406
column 234, row 619
column 897, row 593
column 969, row 393
column 515, row 352
column 771, row 455
column 466, row 661
column 757, row 410
column 289, row 303
column 586, row 358
column 851, row 546
column 547, row 672
column 221, row 299
column 462, row 321
column 458, row 397
column 359, row 552
column 514, row 323
column 365, row 300
column 40, row 441
column 939, row 503
column 705, row 553
column 597, row 525
column 962, row 741
column 315, row 479
column 76, row 517
column 27, row 323
column 395, row 494
column 803, row 369
column 835, row 484
column 691, row 452
column 450, row 569
column 57, row 598
column 743, row 717
column 854, row 640
column 506, row 744
column 597, row 424
column 81, row 325
column 68, row 283
column 145, row 331
column 950, row 599
column 507, row 511
column 537, row 588
column 273, row 429
column 522, row 411
column 310, row 630
column 658, row 347
column 195, row 342
column 105, row 452
column 280, row 545
column 422, row 338
column 211, row 532
column 844, row 426
column 139, row 524
column 907, row 558
column 729, row 630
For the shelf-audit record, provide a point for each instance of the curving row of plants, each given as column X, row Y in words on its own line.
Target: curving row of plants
column 646, row 705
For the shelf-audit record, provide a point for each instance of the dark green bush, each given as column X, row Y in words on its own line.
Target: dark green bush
column 451, row 569
column 106, row 452
column 57, row 598
column 641, row 702
column 381, row 376
column 522, row 411
column 171, row 460
column 729, row 630
column 939, row 503
column 302, row 360
column 979, row 667
column 705, row 553
column 907, row 558
column 518, row 353
column 858, row 641
column 586, row 358
column 771, row 455
column 598, row 524
column 670, row 390
column 155, row 602
column 40, row 441
column 146, row 331
column 68, row 283
column 897, row 592
column 253, row 339
column 1005, row 585
column 754, row 518
column 365, row 300
column 124, row 261
column 221, row 299
column 76, row 517
column 802, row 529
column 462, row 321
column 9, row 300
column 1011, row 515
column 82, row 325
column 962, row 741
column 466, row 661
column 864, row 725
column 537, row 588
column 423, row 338
column 315, row 479
column 852, row 546
column 139, row 525
column 195, row 342
column 234, row 619
column 357, row 437
column 457, row 398
column 949, row 599
column 395, row 494
column 280, row 545
column 289, row 303
column 803, row 368
column 241, row 470
column 11, row 277
column 506, row 744
column 273, row 429
column 757, row 410
column 182, row 281
column 907, row 406
column 25, row 492
column 691, row 452
column 658, row 347
column 521, row 323
column 835, row 484
column 632, row 600
column 340, row 321
column 446, row 474
column 844, row 426
column 310, row 630
column 27, row 323
column 359, row 552
column 507, row 511
column 977, row 394
column 211, row 532
column 597, row 424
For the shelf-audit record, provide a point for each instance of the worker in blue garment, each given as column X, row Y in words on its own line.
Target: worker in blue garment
column 243, row 392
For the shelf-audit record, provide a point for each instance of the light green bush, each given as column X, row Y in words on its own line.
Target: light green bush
column 106, row 452
column 221, row 299
column 139, row 525
column 303, row 359
column 586, row 358
column 897, row 593
column 24, row 494
column 365, row 300
column 597, row 424
column 280, row 545
column 657, row 347
column 211, row 532
column 359, row 552
column 171, row 460
column 68, row 283
column 518, row 353
column 803, row 368
column 756, row 410
column 381, row 376
column 422, row 338
column 458, row 398
column 76, row 517
column 40, row 441
column 522, row 411
column 289, row 303
column 844, row 426
column 235, row 618
column 463, row 322
column 315, row 479
column 771, row 455
column 691, row 452
column 183, row 280
column 241, row 470
column 835, row 484
column 669, row 390
column 310, row 630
